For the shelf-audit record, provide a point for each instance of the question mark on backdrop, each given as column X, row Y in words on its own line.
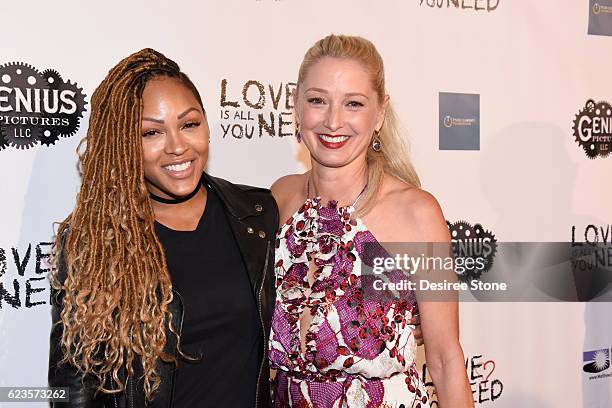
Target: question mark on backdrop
column 485, row 388
column 484, row 367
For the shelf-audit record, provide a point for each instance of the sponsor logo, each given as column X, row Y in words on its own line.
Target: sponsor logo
column 596, row 361
column 597, row 9
column 593, row 128
column 37, row 107
column 600, row 17
column 257, row 110
column 474, row 5
column 450, row 121
column 472, row 241
column 459, row 121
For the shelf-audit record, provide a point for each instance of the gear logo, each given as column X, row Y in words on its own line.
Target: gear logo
column 593, row 129
column 37, row 107
column 472, row 241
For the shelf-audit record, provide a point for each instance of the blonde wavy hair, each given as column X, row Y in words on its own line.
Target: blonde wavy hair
column 117, row 287
column 393, row 158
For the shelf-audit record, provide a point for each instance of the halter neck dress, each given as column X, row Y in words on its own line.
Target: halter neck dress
column 359, row 351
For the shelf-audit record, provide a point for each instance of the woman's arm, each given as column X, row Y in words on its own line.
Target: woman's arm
column 439, row 317
column 443, row 353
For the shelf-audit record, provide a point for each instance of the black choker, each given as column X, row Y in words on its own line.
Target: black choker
column 176, row 200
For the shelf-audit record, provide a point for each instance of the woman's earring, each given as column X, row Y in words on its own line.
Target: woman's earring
column 298, row 135
column 376, row 143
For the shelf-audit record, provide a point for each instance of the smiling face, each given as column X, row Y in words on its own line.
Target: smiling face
column 338, row 110
column 175, row 138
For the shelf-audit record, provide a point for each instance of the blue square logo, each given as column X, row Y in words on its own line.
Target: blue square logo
column 596, row 360
column 459, row 121
column 600, row 17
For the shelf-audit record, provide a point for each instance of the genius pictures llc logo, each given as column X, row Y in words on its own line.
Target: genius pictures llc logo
column 37, row 106
column 596, row 362
column 472, row 241
column 593, row 128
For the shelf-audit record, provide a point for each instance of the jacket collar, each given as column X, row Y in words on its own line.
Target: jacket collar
column 238, row 203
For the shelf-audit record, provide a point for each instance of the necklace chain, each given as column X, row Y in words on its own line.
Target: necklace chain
column 354, row 202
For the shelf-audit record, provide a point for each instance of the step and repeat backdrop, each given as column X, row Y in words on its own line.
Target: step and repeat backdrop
column 506, row 106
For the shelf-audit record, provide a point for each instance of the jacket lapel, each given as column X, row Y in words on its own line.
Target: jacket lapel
column 245, row 218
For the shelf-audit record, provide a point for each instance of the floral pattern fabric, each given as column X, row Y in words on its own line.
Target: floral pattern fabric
column 359, row 350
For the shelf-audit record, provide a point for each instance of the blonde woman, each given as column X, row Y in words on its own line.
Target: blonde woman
column 330, row 345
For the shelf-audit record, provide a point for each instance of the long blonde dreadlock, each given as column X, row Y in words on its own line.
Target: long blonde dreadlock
column 117, row 287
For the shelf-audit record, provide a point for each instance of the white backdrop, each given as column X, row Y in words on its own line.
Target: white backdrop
column 532, row 63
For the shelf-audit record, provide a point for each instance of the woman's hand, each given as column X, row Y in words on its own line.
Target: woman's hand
column 417, row 333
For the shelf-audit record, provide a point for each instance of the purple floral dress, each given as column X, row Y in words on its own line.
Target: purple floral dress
column 359, row 351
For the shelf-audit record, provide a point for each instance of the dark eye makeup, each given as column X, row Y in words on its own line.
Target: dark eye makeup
column 315, row 100
column 191, row 125
column 355, row 104
column 150, row 133
column 188, row 125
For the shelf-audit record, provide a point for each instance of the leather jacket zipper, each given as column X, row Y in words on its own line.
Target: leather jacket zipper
column 114, row 394
column 131, row 386
column 263, row 329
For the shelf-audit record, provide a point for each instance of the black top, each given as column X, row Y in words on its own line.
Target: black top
column 221, row 319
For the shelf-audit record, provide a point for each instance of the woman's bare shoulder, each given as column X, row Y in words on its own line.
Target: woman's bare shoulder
column 288, row 186
column 289, row 192
column 413, row 210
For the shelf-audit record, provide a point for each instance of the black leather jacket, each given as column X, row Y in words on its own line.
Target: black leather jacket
column 253, row 216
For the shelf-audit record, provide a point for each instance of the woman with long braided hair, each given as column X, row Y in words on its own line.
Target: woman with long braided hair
column 163, row 289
